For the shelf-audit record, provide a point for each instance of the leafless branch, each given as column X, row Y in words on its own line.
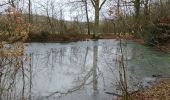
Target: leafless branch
column 102, row 4
column 9, row 3
column 4, row 4
column 92, row 3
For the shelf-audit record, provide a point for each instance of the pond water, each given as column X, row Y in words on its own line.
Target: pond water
column 88, row 70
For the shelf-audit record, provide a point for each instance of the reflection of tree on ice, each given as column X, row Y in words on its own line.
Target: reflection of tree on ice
column 94, row 69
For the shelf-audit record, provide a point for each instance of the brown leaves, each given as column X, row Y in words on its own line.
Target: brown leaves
column 159, row 91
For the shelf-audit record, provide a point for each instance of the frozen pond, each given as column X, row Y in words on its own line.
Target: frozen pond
column 88, row 70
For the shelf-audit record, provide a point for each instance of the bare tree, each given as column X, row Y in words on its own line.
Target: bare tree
column 137, row 8
column 97, row 7
column 11, row 2
column 87, row 16
column 83, row 4
column 146, row 8
column 29, row 10
column 49, row 6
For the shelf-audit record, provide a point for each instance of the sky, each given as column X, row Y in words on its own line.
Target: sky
column 70, row 11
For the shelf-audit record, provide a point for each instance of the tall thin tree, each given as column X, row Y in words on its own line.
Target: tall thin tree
column 87, row 16
column 97, row 7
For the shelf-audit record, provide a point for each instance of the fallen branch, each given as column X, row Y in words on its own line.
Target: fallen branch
column 114, row 94
column 120, row 95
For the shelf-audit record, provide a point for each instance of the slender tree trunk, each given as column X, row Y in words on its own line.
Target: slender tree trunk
column 87, row 17
column 118, row 6
column 137, row 13
column 29, row 8
column 50, row 22
column 29, row 15
column 61, row 23
column 96, row 23
column 118, row 13
column 97, row 6
column 52, row 19
column 137, row 8
column 161, row 8
column 146, row 8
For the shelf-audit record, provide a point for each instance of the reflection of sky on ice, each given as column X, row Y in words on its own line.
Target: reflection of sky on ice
column 63, row 70
column 64, row 67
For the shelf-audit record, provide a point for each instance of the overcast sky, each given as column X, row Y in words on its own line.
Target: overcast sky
column 70, row 11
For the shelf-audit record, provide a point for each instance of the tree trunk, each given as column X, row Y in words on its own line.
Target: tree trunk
column 97, row 6
column 146, row 8
column 29, row 8
column 87, row 17
column 50, row 23
column 29, row 15
column 96, row 23
column 137, row 8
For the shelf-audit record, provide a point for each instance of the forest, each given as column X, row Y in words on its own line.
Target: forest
column 88, row 49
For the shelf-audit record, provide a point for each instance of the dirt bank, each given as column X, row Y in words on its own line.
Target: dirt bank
column 74, row 37
column 159, row 91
